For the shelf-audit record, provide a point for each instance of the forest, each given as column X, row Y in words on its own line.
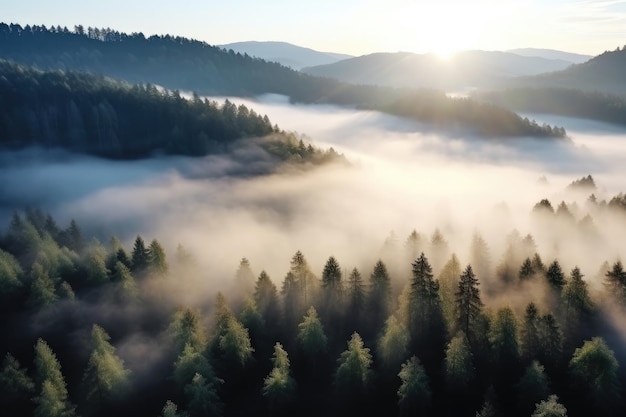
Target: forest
column 184, row 64
column 95, row 115
column 565, row 102
column 105, row 328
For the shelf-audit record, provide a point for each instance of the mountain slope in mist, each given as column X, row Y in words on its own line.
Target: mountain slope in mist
column 603, row 73
column 462, row 70
column 551, row 54
column 287, row 54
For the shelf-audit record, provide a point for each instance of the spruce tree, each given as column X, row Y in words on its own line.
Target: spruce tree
column 468, row 302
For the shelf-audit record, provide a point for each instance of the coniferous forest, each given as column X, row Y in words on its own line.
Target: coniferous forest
column 166, row 250
column 416, row 331
column 189, row 65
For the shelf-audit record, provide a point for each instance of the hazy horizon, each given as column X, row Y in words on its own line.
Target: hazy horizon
column 402, row 25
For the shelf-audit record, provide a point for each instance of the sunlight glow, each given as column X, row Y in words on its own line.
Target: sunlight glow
column 445, row 27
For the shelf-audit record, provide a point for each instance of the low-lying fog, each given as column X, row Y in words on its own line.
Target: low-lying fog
column 401, row 180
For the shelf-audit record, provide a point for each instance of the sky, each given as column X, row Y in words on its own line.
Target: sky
column 353, row 27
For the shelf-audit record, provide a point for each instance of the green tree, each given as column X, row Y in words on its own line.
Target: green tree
column 15, row 384
column 156, row 262
column 594, row 367
column 448, row 287
column 532, row 388
column 378, row 303
column 94, row 261
column 189, row 363
column 124, row 282
column 234, row 343
column 414, row 395
column 203, row 400
column 266, row 298
column 311, row 336
column 555, row 276
column 550, row 408
column 52, row 400
column 244, row 279
column 615, row 282
column 459, row 363
column 468, row 302
column 10, row 276
column 105, row 378
column 526, row 270
column 356, row 298
column 307, row 282
column 291, row 305
column 426, row 323
column 139, row 256
column 353, row 373
column 332, row 289
column 393, row 343
column 577, row 305
column 279, row 386
column 42, row 291
column 530, row 335
column 186, row 328
column 550, row 340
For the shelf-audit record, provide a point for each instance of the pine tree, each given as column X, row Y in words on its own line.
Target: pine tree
column 15, row 384
column 306, row 280
column 616, row 282
column 157, row 263
column 468, row 302
column 244, row 279
column 105, row 378
column 52, row 400
column 448, row 287
column 555, row 276
column 393, row 343
column 332, row 291
column 526, row 271
column 353, row 373
column 530, row 336
column 532, row 388
column 279, row 386
column 414, row 395
column 139, row 257
column 378, row 303
column 311, row 336
column 356, row 298
column 186, row 329
column 459, row 365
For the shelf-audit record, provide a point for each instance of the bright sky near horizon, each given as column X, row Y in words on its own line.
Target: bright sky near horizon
column 354, row 27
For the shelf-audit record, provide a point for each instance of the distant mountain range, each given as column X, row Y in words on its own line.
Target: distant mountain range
column 287, row 54
column 468, row 69
column 551, row 54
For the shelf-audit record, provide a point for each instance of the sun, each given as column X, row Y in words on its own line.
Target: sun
column 442, row 27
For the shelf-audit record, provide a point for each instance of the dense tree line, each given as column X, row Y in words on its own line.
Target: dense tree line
column 96, row 115
column 561, row 101
column 419, row 336
column 185, row 64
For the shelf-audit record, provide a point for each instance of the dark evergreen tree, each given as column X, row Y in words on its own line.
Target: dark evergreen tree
column 157, row 264
column 530, row 333
column 378, row 301
column 140, row 256
column 615, row 282
column 355, row 293
column 526, row 271
column 266, row 298
column 468, row 302
column 52, row 400
column 555, row 276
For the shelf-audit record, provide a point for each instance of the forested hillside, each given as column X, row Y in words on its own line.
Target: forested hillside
column 603, row 73
column 567, row 102
column 105, row 329
column 190, row 65
column 92, row 114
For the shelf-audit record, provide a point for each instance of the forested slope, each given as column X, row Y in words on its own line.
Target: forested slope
column 96, row 115
column 190, row 65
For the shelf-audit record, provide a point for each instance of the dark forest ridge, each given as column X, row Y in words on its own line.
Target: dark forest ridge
column 603, row 73
column 96, row 115
column 180, row 63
